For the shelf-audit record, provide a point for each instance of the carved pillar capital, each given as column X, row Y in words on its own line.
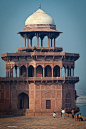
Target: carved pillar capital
column 65, row 66
column 37, row 34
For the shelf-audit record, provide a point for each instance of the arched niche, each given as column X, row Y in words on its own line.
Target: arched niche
column 39, row 71
column 23, row 71
column 23, row 101
column 56, row 71
column 48, row 71
column 30, row 71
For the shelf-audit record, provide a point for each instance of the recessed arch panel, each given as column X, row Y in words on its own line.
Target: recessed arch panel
column 68, row 100
column 23, row 101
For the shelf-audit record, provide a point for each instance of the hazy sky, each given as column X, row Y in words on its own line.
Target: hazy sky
column 69, row 17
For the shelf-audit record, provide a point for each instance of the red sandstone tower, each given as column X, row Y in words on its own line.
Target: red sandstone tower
column 39, row 87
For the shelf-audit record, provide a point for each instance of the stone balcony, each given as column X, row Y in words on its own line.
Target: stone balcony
column 62, row 80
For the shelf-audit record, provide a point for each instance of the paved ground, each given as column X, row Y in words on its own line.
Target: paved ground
column 40, row 122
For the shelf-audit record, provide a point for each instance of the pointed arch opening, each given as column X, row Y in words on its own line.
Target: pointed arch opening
column 23, row 72
column 23, row 101
column 56, row 71
column 48, row 71
column 39, row 71
column 30, row 71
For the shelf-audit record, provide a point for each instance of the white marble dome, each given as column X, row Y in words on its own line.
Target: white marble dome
column 39, row 17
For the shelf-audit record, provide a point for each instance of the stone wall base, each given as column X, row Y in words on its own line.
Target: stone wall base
column 22, row 113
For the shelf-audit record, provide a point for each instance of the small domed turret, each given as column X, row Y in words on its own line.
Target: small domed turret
column 39, row 17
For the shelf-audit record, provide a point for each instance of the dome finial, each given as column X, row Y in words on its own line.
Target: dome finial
column 39, row 5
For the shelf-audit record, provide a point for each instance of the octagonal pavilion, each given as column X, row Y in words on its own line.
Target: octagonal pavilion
column 39, row 80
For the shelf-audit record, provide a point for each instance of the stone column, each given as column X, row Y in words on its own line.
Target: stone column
column 48, row 42
column 37, row 41
column 11, row 72
column 52, row 72
column 27, row 42
column 34, row 69
column 27, row 72
column 24, row 42
column 69, row 71
column 60, row 72
column 35, row 72
column 43, row 72
column 54, row 42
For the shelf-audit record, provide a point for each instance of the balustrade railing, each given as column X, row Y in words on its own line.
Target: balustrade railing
column 39, row 78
